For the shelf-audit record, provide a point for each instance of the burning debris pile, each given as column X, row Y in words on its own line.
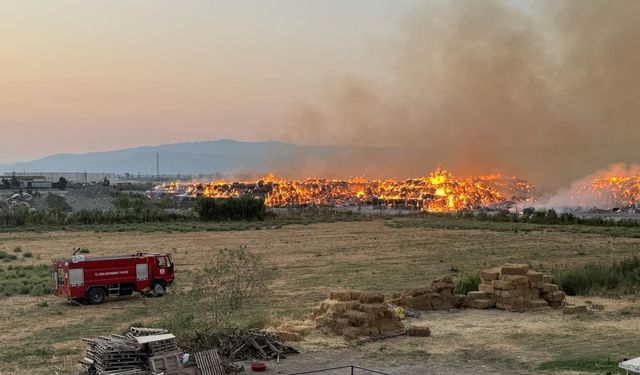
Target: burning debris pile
column 440, row 191
column 616, row 188
column 614, row 191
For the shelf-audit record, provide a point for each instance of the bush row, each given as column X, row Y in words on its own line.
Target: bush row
column 547, row 217
column 243, row 208
column 617, row 278
column 23, row 217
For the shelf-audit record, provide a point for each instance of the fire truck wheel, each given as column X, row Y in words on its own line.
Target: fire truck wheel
column 157, row 289
column 96, row 296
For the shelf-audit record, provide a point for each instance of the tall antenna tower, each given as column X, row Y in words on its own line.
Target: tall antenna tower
column 158, row 164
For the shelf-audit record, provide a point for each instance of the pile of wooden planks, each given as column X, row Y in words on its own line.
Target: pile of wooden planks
column 112, row 354
column 140, row 351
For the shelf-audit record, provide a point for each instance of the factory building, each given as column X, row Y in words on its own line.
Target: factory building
column 71, row 177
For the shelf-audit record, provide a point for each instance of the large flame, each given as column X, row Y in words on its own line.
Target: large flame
column 439, row 191
column 612, row 191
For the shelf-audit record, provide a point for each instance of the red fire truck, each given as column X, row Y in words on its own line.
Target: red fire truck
column 94, row 279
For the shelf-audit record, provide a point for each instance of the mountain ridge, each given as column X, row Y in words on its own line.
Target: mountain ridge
column 198, row 157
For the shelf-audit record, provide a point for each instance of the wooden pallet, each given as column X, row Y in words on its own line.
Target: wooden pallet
column 209, row 363
column 168, row 363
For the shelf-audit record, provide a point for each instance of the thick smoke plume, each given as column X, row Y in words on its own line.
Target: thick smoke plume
column 616, row 186
column 549, row 91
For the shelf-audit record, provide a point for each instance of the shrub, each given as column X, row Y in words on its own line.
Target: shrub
column 243, row 208
column 17, row 249
column 84, row 251
column 220, row 290
column 6, row 257
column 593, row 278
column 468, row 283
column 28, row 254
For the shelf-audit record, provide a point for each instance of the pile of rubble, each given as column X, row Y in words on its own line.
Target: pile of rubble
column 16, row 200
column 514, row 287
column 439, row 295
column 355, row 314
column 141, row 351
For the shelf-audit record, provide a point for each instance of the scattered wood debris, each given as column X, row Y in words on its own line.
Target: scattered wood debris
column 242, row 345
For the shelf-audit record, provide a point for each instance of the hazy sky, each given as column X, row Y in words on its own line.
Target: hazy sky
column 79, row 76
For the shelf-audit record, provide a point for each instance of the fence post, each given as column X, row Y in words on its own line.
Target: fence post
column 351, row 369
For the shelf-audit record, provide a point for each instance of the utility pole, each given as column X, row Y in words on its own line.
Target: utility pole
column 158, row 165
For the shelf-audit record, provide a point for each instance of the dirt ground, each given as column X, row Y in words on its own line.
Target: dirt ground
column 38, row 334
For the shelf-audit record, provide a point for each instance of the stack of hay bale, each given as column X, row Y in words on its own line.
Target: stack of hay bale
column 355, row 314
column 514, row 287
column 440, row 295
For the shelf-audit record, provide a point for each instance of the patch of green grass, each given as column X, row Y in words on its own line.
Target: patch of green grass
column 584, row 364
column 458, row 222
column 6, row 257
column 468, row 283
column 36, row 349
column 31, row 280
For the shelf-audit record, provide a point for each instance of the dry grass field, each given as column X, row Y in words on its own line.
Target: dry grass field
column 38, row 334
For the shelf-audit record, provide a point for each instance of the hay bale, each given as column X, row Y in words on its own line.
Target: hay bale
column 535, row 284
column 537, row 304
column 514, row 269
column 419, row 331
column 545, row 287
column 340, row 295
column 489, row 275
column 440, row 286
column 355, row 317
column 534, row 277
column 554, row 296
column 487, row 288
column 478, row 295
column 513, row 293
column 515, row 280
column 480, row 303
column 368, row 297
column 419, row 291
column 576, row 309
column 440, row 302
column 501, row 285
column 556, row 304
column 547, row 279
column 372, row 308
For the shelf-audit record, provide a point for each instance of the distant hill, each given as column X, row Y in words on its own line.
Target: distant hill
column 208, row 157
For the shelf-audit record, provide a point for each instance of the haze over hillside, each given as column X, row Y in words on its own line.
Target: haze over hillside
column 221, row 156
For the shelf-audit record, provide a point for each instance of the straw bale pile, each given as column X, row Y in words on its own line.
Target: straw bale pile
column 355, row 314
column 440, row 295
column 514, row 287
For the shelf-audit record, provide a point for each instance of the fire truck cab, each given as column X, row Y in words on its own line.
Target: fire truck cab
column 93, row 279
